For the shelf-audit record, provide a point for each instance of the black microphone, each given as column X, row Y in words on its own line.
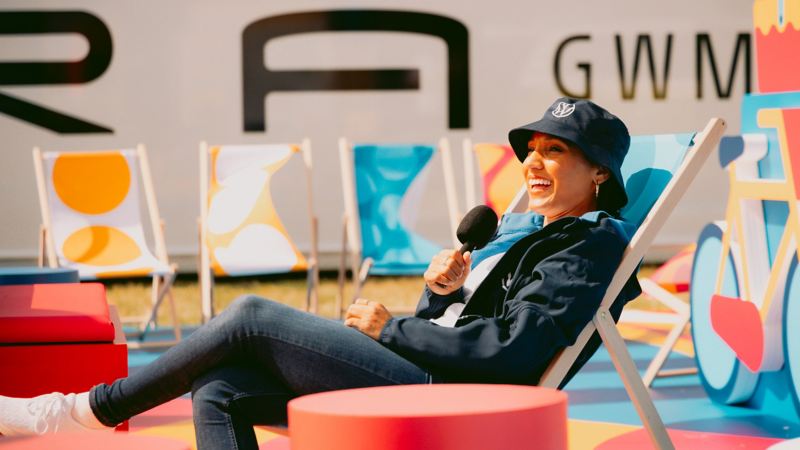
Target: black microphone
column 476, row 228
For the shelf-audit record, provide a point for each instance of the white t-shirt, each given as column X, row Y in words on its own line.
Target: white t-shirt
column 474, row 279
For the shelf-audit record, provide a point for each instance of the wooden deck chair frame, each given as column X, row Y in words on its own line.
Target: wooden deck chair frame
column 162, row 284
column 602, row 321
column 206, row 274
column 351, row 226
column 680, row 319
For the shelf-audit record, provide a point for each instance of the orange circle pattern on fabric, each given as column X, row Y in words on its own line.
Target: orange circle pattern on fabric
column 93, row 184
column 100, row 246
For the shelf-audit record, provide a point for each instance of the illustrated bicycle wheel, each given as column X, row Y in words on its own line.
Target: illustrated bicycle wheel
column 725, row 378
column 791, row 330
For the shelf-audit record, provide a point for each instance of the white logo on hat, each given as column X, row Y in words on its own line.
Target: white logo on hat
column 563, row 109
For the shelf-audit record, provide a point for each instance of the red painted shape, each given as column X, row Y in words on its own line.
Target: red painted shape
column 738, row 323
column 791, row 121
column 47, row 313
column 177, row 410
column 92, row 441
column 689, row 440
column 776, row 56
column 439, row 416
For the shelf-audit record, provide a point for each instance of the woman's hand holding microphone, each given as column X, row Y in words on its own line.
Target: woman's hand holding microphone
column 447, row 271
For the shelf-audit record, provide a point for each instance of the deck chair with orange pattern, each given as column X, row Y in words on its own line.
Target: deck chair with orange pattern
column 91, row 221
column 241, row 233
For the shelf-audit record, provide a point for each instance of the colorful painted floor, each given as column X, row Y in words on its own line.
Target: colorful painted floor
column 601, row 415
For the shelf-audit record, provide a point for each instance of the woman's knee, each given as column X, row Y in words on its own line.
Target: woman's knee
column 247, row 307
column 210, row 396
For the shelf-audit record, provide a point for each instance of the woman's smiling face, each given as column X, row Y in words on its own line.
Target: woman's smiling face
column 559, row 178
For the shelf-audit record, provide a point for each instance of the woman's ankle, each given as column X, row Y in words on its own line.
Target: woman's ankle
column 83, row 414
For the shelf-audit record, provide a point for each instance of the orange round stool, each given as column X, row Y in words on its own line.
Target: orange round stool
column 439, row 416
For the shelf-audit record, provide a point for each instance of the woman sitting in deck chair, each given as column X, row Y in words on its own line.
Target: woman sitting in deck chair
column 530, row 292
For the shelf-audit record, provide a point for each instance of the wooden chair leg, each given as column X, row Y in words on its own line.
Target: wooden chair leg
column 654, row 369
column 176, row 324
column 633, row 382
column 342, row 271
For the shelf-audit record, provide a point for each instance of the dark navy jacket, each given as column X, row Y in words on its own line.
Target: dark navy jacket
column 533, row 303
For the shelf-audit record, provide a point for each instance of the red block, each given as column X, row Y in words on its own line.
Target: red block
column 30, row 370
column 71, row 312
column 41, row 328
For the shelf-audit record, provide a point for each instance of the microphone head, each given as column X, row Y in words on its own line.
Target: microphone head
column 477, row 227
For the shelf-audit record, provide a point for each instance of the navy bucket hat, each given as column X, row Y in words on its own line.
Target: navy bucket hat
column 601, row 136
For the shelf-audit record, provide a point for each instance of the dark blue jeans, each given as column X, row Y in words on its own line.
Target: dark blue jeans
column 246, row 364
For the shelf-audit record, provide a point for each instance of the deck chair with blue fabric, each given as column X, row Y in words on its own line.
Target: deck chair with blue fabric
column 384, row 186
column 657, row 171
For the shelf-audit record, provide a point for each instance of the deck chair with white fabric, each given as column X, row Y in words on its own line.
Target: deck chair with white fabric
column 657, row 172
column 383, row 188
column 241, row 233
column 498, row 171
column 91, row 221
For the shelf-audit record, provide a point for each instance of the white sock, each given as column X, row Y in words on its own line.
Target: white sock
column 83, row 414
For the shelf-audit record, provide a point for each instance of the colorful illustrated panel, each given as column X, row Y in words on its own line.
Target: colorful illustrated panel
column 95, row 214
column 500, row 175
column 742, row 303
column 390, row 183
column 245, row 236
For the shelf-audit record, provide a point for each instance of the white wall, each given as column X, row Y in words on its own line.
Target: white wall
column 176, row 78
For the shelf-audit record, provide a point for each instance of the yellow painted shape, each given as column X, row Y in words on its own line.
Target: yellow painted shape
column 262, row 213
column 184, row 431
column 766, row 15
column 92, row 183
column 100, row 246
column 791, row 13
column 586, row 435
column 655, row 335
column 140, row 272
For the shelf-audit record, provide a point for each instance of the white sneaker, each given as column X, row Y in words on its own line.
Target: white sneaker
column 49, row 413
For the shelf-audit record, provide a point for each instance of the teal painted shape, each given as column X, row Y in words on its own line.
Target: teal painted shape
column 648, row 168
column 776, row 214
column 791, row 334
column 384, row 174
column 37, row 275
